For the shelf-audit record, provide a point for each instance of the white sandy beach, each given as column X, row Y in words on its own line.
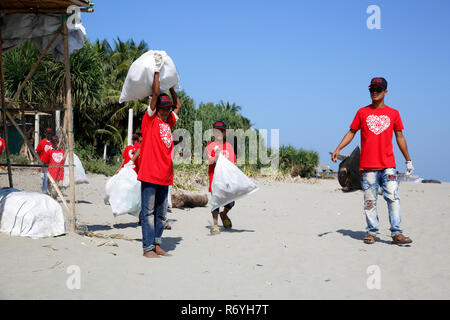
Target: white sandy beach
column 289, row 241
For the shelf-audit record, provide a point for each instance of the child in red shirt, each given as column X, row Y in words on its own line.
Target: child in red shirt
column 156, row 166
column 128, row 153
column 219, row 145
column 43, row 146
column 55, row 157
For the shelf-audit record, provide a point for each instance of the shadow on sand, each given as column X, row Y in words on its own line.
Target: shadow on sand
column 359, row 235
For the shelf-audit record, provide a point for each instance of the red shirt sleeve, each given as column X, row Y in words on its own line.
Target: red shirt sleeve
column 46, row 156
column 210, row 151
column 39, row 147
column 231, row 152
column 398, row 124
column 356, row 124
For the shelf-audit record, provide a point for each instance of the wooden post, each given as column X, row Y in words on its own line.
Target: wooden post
column 5, row 128
column 130, row 125
column 36, row 130
column 69, row 111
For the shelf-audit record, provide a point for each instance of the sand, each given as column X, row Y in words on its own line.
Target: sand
column 289, row 241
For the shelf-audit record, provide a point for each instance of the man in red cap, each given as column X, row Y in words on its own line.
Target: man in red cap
column 378, row 123
column 156, row 165
column 43, row 146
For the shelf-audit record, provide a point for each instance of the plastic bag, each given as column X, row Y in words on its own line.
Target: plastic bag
column 80, row 174
column 123, row 192
column 139, row 80
column 30, row 214
column 229, row 183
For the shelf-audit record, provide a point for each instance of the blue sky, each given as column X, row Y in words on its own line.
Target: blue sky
column 304, row 66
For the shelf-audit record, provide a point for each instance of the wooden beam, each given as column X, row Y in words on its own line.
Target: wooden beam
column 5, row 128
column 36, row 10
column 69, row 112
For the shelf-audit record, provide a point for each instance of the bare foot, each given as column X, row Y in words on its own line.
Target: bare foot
column 161, row 252
column 151, row 254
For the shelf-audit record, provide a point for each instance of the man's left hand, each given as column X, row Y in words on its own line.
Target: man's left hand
column 409, row 167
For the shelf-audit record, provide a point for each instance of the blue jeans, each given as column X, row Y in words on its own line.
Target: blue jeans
column 45, row 181
column 387, row 180
column 153, row 213
column 227, row 206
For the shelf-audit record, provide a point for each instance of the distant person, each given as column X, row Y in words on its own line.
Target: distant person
column 43, row 146
column 2, row 145
column 128, row 153
column 377, row 123
column 156, row 165
column 52, row 157
column 213, row 149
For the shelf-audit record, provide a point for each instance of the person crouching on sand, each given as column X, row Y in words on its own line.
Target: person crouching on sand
column 219, row 145
column 156, row 166
column 377, row 123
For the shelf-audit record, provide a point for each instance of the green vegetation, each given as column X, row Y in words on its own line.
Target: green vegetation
column 98, row 71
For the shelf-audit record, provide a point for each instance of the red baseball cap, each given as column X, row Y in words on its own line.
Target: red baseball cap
column 378, row 82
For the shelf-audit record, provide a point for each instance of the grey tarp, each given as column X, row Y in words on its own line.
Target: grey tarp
column 40, row 28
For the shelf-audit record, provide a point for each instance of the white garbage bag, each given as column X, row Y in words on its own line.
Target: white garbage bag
column 80, row 174
column 139, row 80
column 123, row 192
column 229, row 183
column 30, row 214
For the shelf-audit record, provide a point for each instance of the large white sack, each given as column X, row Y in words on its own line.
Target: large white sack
column 80, row 174
column 139, row 80
column 123, row 192
column 30, row 214
column 229, row 183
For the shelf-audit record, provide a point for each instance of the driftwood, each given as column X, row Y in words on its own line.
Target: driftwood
column 188, row 200
column 349, row 176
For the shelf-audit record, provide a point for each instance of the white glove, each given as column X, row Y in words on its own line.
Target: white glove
column 216, row 149
column 158, row 61
column 409, row 167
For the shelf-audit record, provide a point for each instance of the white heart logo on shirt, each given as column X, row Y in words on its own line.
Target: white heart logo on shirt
column 57, row 157
column 166, row 134
column 377, row 124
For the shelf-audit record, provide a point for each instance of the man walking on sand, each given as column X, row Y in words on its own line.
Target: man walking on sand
column 44, row 146
column 377, row 123
column 156, row 166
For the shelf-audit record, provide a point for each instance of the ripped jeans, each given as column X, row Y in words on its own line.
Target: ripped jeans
column 387, row 180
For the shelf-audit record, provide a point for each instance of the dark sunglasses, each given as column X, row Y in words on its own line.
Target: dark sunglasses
column 377, row 89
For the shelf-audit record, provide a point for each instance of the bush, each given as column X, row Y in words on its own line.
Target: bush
column 92, row 162
column 298, row 162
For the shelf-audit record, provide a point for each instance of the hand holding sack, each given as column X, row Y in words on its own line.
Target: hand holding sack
column 229, row 183
column 139, row 80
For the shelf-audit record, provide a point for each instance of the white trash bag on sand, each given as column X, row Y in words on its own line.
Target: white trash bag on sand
column 123, row 192
column 139, row 80
column 80, row 174
column 30, row 214
column 229, row 183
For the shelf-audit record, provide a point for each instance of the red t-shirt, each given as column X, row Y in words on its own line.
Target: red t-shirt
column 377, row 127
column 2, row 145
column 156, row 165
column 227, row 151
column 43, row 146
column 55, row 157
